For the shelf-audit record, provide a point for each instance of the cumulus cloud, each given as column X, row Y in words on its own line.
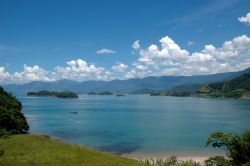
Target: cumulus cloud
column 105, row 51
column 80, row 70
column 164, row 58
column 170, row 59
column 4, row 76
column 29, row 73
column 245, row 19
column 168, row 54
column 120, row 67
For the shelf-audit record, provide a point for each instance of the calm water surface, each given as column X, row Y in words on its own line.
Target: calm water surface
column 136, row 123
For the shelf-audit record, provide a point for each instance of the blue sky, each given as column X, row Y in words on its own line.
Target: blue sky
column 45, row 35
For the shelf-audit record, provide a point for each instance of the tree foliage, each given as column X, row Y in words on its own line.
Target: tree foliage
column 237, row 146
column 217, row 161
column 11, row 119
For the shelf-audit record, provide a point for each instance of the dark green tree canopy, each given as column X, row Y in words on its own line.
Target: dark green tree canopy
column 237, row 146
column 11, row 118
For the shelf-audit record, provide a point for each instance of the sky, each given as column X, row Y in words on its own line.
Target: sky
column 51, row 40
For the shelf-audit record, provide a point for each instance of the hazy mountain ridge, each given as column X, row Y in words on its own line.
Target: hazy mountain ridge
column 125, row 86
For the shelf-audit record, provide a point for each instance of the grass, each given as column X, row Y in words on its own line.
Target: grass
column 41, row 150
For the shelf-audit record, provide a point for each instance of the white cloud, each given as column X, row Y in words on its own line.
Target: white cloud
column 120, row 67
column 4, row 76
column 29, row 74
column 169, row 54
column 171, row 59
column 166, row 58
column 245, row 19
column 136, row 45
column 80, row 70
column 105, row 51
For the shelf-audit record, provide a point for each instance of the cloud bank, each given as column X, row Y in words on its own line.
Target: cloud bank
column 164, row 58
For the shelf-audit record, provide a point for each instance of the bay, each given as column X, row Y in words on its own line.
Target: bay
column 136, row 124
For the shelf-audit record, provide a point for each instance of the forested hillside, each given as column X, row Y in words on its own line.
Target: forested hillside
column 235, row 88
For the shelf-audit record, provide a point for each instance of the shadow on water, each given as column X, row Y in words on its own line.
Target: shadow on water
column 78, row 134
column 123, row 147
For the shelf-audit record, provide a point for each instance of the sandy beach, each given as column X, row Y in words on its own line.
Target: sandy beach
column 200, row 156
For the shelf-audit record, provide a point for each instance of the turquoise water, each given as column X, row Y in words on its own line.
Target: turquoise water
column 136, row 123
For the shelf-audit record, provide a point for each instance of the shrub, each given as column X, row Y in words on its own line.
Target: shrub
column 237, row 146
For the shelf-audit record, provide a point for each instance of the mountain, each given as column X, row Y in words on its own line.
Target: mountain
column 236, row 88
column 125, row 86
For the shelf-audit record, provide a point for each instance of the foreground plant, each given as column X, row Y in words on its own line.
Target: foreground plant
column 217, row 161
column 237, row 146
column 172, row 161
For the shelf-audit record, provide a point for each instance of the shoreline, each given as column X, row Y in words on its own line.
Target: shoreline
column 198, row 156
column 186, row 155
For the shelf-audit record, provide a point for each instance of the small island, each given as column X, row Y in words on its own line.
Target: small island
column 65, row 94
column 120, row 95
column 106, row 93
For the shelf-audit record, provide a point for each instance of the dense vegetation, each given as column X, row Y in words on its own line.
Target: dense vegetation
column 235, row 88
column 237, row 148
column 12, row 121
column 65, row 94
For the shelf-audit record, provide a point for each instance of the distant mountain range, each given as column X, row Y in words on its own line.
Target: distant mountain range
column 135, row 85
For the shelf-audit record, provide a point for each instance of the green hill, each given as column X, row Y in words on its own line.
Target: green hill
column 29, row 149
column 236, row 88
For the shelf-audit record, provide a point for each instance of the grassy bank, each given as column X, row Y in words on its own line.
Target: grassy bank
column 41, row 150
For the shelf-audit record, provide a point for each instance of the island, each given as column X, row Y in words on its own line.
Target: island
column 120, row 95
column 106, row 93
column 65, row 94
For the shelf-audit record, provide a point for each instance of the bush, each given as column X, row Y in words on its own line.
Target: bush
column 172, row 161
column 217, row 161
column 237, row 146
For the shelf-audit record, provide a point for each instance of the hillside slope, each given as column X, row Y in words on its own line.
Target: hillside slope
column 236, row 88
column 28, row 149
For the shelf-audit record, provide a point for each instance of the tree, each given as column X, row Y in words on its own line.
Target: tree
column 12, row 121
column 237, row 146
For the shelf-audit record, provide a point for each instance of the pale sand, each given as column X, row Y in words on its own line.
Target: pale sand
column 181, row 156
